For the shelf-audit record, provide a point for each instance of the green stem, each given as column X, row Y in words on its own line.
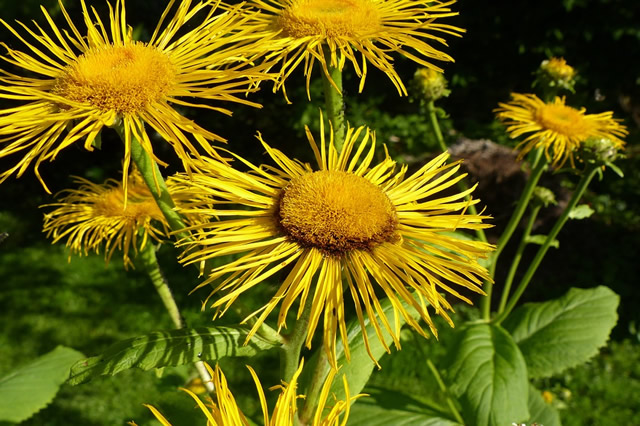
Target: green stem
column 445, row 391
column 539, row 165
column 333, row 99
column 290, row 349
column 435, row 125
column 147, row 256
column 153, row 178
column 577, row 195
column 317, row 380
column 518, row 256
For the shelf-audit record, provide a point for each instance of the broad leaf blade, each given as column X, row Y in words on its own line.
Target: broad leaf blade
column 359, row 369
column 489, row 377
column 169, row 348
column 565, row 332
column 385, row 407
column 30, row 388
column 542, row 413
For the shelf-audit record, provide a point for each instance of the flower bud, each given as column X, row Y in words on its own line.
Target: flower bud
column 556, row 73
column 429, row 85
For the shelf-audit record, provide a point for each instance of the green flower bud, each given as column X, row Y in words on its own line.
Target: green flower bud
column 556, row 73
column 429, row 85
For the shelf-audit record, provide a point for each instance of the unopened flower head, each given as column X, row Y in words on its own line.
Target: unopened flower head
column 600, row 151
column 557, row 128
column 71, row 84
column 555, row 72
column 94, row 217
column 362, row 32
column 225, row 412
column 350, row 224
column 429, row 85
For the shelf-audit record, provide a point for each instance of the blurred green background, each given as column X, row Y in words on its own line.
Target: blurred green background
column 45, row 302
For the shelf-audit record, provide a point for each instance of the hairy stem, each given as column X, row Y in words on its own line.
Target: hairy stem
column 577, row 195
column 333, row 99
column 539, row 165
column 518, row 256
column 147, row 256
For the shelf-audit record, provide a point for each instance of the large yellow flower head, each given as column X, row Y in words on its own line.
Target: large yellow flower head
column 225, row 412
column 556, row 127
column 348, row 225
column 72, row 85
column 95, row 216
column 357, row 31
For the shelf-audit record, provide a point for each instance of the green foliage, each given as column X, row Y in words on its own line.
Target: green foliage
column 384, row 407
column 540, row 239
column 565, row 332
column 28, row 389
column 359, row 368
column 581, row 211
column 540, row 411
column 489, row 376
column 169, row 348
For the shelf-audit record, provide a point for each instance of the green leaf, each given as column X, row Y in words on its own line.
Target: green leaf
column 565, row 332
column 28, row 389
column 169, row 348
column 359, row 369
column 540, row 239
column 489, row 377
column 384, row 407
column 542, row 413
column 361, row 366
column 582, row 211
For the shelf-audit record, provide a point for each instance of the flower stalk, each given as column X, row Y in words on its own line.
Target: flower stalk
column 518, row 256
column 147, row 257
column 334, row 100
column 539, row 165
column 587, row 176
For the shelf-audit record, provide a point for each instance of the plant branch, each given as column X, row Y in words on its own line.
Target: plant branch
column 577, row 195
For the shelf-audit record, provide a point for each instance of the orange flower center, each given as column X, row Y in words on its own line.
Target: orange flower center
column 561, row 119
column 125, row 79
column 329, row 18
column 336, row 212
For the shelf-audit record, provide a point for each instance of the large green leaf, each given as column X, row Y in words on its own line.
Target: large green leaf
column 384, row 407
column 30, row 388
column 359, row 369
column 489, row 377
column 565, row 332
column 542, row 413
column 165, row 348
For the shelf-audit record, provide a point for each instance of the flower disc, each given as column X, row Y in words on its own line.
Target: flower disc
column 125, row 79
column 336, row 212
column 330, row 18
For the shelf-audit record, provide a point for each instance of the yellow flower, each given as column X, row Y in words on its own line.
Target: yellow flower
column 74, row 85
column 225, row 412
column 370, row 29
column 96, row 214
column 558, row 128
column 558, row 69
column 367, row 228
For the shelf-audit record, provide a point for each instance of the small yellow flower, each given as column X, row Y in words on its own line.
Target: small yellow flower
column 95, row 215
column 72, row 85
column 225, row 412
column 350, row 225
column 361, row 32
column 556, row 127
column 558, row 69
